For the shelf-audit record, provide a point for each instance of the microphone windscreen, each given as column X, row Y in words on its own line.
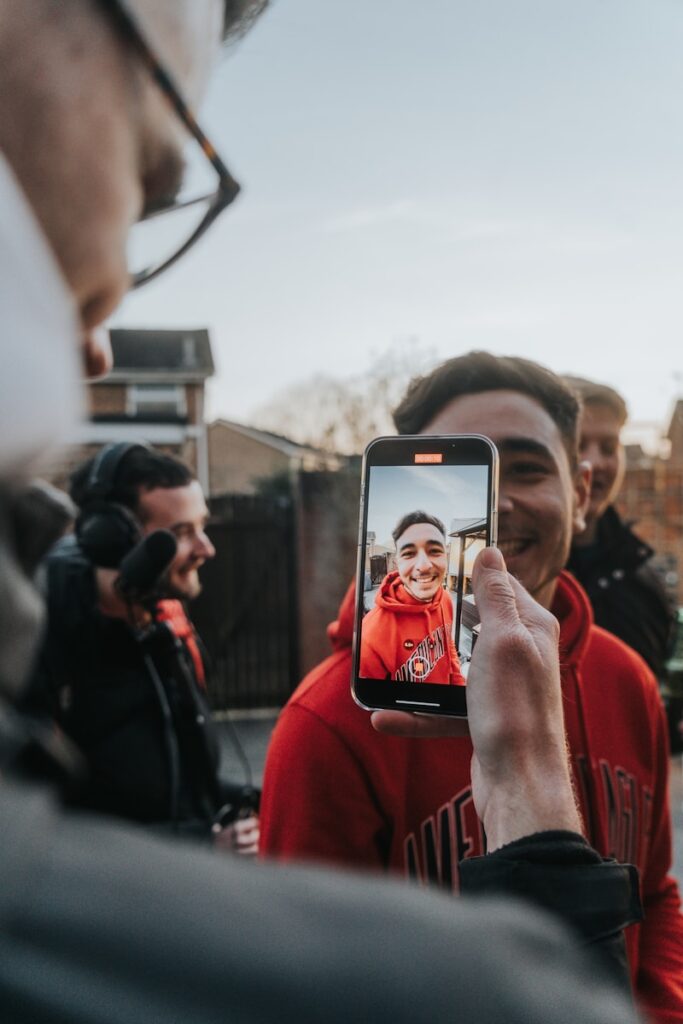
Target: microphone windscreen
column 142, row 568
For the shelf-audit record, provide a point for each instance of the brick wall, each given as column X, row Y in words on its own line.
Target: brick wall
column 107, row 399
column 238, row 462
column 652, row 497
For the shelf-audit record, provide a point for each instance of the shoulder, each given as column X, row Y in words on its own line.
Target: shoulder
column 608, row 658
column 68, row 577
column 325, row 695
column 105, row 900
column 375, row 620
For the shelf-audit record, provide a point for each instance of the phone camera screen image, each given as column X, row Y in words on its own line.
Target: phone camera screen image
column 428, row 511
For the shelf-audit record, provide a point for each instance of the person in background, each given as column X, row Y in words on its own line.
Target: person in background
column 123, row 672
column 333, row 793
column 611, row 562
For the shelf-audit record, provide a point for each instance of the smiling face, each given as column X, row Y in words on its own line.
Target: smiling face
column 421, row 560
column 183, row 511
column 600, row 446
column 542, row 499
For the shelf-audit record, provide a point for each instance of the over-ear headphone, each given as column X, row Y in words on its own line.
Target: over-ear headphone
column 107, row 530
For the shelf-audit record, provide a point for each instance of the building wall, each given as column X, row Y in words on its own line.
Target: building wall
column 60, row 468
column 237, row 462
column 194, row 403
column 675, row 433
column 652, row 497
column 107, row 399
column 111, row 400
column 327, row 547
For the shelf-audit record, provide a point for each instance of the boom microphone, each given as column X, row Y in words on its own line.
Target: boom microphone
column 141, row 570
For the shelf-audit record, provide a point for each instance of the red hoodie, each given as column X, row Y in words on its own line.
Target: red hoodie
column 337, row 791
column 409, row 640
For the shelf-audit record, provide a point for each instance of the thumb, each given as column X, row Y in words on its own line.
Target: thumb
column 492, row 588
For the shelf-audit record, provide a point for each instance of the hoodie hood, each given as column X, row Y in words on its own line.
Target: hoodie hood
column 394, row 597
column 572, row 609
column 570, row 606
column 340, row 631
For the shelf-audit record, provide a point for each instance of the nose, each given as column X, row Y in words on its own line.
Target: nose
column 422, row 561
column 203, row 546
column 505, row 503
column 96, row 353
column 591, row 453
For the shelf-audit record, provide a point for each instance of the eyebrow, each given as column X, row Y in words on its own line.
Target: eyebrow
column 412, row 544
column 526, row 446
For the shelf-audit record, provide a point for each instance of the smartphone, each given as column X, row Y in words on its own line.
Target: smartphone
column 428, row 506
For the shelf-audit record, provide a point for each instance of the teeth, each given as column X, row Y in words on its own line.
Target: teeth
column 510, row 548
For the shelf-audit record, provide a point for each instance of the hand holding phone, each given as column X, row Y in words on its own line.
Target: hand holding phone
column 428, row 505
column 521, row 780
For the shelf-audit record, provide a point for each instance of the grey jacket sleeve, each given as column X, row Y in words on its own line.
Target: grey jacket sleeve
column 560, row 872
column 101, row 925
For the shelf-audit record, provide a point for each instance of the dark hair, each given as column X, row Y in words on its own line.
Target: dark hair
column 412, row 519
column 140, row 470
column 591, row 393
column 239, row 16
column 477, row 372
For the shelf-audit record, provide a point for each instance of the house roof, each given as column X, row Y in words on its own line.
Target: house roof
column 161, row 355
column 292, row 449
column 463, row 526
column 676, row 422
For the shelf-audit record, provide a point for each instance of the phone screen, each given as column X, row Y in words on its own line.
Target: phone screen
column 428, row 509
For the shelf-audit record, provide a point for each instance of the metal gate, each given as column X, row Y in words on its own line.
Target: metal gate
column 247, row 612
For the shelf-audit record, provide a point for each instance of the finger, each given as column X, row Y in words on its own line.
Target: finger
column 534, row 616
column 489, row 558
column 493, row 592
column 403, row 723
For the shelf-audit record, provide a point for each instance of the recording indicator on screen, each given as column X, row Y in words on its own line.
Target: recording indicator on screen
column 428, row 458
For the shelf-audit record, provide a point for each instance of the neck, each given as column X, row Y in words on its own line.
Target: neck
column 545, row 594
column 589, row 535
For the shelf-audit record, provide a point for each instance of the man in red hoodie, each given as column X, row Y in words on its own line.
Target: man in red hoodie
column 336, row 791
column 408, row 634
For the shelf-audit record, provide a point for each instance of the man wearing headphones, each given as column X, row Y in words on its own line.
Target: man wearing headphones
column 121, row 666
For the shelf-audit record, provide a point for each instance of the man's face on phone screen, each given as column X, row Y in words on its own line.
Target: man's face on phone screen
column 421, row 560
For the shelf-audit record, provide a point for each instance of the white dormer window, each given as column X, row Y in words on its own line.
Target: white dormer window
column 156, row 399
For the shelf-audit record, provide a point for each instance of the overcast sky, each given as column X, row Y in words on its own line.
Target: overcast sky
column 490, row 175
column 446, row 492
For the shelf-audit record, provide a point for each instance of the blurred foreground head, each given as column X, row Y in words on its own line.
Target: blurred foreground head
column 88, row 143
column 88, row 133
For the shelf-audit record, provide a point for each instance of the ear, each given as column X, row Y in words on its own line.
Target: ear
column 583, row 475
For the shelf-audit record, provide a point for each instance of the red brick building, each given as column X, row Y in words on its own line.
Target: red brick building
column 154, row 393
column 652, row 497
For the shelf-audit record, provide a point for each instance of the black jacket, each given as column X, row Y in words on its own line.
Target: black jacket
column 130, row 703
column 628, row 598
